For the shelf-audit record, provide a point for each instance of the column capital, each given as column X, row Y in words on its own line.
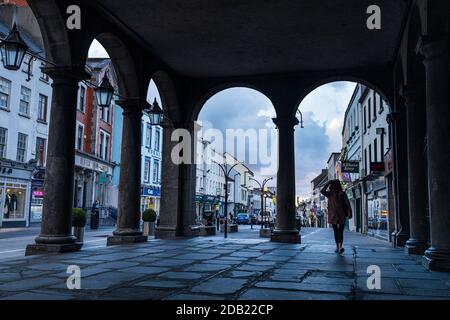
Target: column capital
column 66, row 73
column 285, row 122
column 130, row 105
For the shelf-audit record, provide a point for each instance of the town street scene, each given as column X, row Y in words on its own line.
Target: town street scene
column 193, row 150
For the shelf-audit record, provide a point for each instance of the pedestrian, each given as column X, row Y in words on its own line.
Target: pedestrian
column 338, row 210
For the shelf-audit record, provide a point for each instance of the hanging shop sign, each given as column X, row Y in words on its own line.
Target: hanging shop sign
column 350, row 166
column 377, row 167
column 389, row 162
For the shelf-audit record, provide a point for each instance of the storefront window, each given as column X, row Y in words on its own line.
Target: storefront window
column 14, row 199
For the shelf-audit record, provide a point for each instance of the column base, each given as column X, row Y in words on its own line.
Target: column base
column 436, row 260
column 164, row 232
column 45, row 248
column 415, row 247
column 265, row 233
column 115, row 240
column 400, row 239
column 191, row 231
column 285, row 236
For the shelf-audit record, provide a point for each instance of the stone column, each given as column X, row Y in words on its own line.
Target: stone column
column 286, row 229
column 170, row 190
column 416, row 130
column 437, row 61
column 401, row 233
column 129, row 215
column 56, row 227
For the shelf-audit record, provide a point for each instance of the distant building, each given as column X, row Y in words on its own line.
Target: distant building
column 319, row 201
column 93, row 141
column 332, row 163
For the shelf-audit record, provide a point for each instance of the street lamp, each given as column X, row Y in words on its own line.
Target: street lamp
column 301, row 118
column 226, row 173
column 156, row 114
column 104, row 92
column 13, row 50
column 261, row 186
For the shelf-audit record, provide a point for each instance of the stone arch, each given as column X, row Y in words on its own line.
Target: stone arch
column 167, row 93
column 123, row 63
column 354, row 79
column 209, row 93
column 53, row 29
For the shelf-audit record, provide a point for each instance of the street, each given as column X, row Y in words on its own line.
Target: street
column 14, row 241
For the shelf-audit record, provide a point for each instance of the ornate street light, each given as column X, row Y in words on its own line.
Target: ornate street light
column 104, row 92
column 156, row 114
column 13, row 50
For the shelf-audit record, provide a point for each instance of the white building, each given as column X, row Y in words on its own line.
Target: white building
column 151, row 151
column 24, row 119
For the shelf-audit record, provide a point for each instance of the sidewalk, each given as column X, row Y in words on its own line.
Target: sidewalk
column 241, row 267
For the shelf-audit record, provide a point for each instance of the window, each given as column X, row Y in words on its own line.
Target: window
column 107, row 147
column 44, row 76
column 81, row 99
column 79, row 143
column 155, row 170
column 365, row 160
column 3, row 141
column 370, row 154
column 365, row 120
column 24, row 105
column 157, row 138
column 40, row 151
column 28, row 64
column 147, row 170
column 375, row 150
column 369, row 114
column 104, row 145
column 374, row 106
column 148, row 136
column 5, row 87
column 382, row 103
column 21, row 147
column 42, row 108
column 105, row 114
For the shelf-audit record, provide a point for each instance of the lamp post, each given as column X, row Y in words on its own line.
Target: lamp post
column 261, row 186
column 234, row 195
column 13, row 50
column 226, row 173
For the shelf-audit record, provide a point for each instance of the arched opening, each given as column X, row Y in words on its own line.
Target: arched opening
column 25, row 98
column 346, row 137
column 236, row 139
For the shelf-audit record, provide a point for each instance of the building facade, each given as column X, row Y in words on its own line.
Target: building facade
column 366, row 141
column 151, row 151
column 24, row 119
column 93, row 142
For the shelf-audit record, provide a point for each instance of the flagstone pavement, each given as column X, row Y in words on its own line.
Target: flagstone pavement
column 241, row 267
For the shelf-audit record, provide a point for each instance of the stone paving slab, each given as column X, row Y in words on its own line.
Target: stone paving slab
column 242, row 266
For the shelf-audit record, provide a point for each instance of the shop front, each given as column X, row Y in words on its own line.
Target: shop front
column 37, row 196
column 150, row 197
column 15, row 189
column 377, row 209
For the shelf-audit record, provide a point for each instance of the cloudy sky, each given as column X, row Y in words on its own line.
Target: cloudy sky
column 241, row 108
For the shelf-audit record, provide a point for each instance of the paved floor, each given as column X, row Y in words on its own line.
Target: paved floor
column 240, row 267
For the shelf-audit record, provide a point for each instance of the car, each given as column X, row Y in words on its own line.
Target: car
column 243, row 218
column 267, row 216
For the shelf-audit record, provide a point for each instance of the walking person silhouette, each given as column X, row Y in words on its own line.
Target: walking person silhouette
column 338, row 210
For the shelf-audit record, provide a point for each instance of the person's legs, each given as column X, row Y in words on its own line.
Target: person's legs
column 341, row 237
column 336, row 236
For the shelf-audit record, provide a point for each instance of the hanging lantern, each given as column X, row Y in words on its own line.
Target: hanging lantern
column 13, row 50
column 156, row 114
column 104, row 92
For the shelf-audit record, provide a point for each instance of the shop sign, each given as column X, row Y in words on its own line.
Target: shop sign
column 389, row 162
column 38, row 193
column 151, row 191
column 377, row 167
column 102, row 178
column 350, row 166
